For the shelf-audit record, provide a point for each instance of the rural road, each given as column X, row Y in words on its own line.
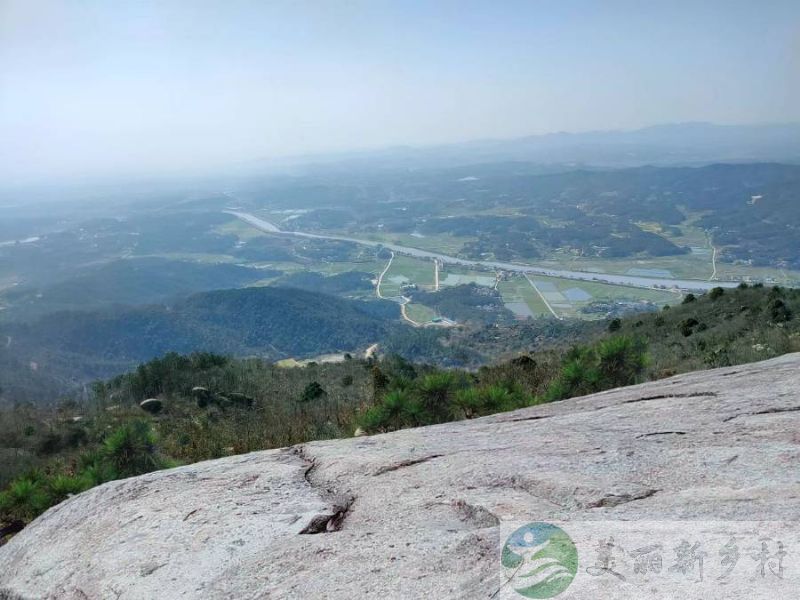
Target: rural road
column 626, row 280
column 546, row 303
column 404, row 312
column 713, row 263
column 380, row 278
column 403, row 300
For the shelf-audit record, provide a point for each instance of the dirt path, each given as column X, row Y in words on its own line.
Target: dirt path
column 713, row 263
column 380, row 278
column 405, row 314
column 546, row 303
column 404, row 300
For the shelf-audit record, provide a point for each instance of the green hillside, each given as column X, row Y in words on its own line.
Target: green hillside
column 270, row 322
column 210, row 406
column 129, row 281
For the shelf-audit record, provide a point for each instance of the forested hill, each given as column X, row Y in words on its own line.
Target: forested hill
column 267, row 321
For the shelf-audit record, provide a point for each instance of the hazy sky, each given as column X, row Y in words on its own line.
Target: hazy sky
column 134, row 85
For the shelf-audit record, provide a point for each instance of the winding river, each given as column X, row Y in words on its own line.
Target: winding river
column 627, row 280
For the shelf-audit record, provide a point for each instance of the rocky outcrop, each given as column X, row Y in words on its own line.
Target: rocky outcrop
column 151, row 405
column 419, row 513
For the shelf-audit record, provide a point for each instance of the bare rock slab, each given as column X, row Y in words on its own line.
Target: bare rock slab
column 420, row 513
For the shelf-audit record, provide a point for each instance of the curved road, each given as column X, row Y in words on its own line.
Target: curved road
column 627, row 280
column 403, row 300
column 380, row 277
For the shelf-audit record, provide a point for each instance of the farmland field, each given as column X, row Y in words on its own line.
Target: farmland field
column 450, row 276
column 568, row 297
column 444, row 243
column 407, row 271
column 541, row 296
column 420, row 313
column 521, row 299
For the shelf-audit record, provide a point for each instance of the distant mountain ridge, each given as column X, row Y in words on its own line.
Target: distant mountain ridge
column 692, row 143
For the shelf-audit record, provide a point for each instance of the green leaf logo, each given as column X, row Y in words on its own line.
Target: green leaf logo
column 541, row 560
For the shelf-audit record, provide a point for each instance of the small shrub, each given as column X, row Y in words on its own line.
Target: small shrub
column 496, row 398
column 23, row 500
column 396, row 410
column 778, row 311
column 435, row 391
column 718, row 357
column 611, row 363
column 97, row 472
column 524, row 361
column 312, row 391
column 468, row 402
column 686, row 327
column 621, row 360
column 131, row 450
column 716, row 293
column 61, row 487
column 49, row 444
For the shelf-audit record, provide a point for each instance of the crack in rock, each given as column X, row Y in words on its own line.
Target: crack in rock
column 341, row 504
column 405, row 463
column 632, row 401
column 149, row 569
column 311, row 462
column 541, row 489
column 613, row 500
column 644, row 435
column 535, row 418
column 769, row 411
column 665, row 396
column 329, row 522
column 189, row 514
column 475, row 514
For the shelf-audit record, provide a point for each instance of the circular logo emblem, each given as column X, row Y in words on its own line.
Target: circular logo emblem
column 541, row 560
